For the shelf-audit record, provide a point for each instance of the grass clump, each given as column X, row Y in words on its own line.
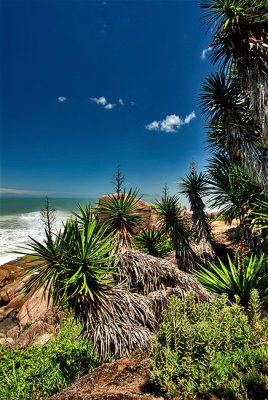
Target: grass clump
column 208, row 348
column 40, row 371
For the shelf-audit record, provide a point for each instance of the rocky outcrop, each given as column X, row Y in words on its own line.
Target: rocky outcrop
column 34, row 308
column 124, row 379
column 19, row 309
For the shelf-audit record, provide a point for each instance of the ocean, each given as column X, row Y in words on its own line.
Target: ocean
column 20, row 219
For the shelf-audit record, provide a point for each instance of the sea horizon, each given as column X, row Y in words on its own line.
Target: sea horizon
column 20, row 219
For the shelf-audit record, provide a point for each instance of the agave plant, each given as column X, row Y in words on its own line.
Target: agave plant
column 154, row 242
column 121, row 215
column 237, row 278
column 172, row 221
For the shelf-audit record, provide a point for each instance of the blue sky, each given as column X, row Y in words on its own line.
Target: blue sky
column 87, row 85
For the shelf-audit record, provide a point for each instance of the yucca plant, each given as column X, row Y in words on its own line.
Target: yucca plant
column 153, row 242
column 75, row 269
column 172, row 221
column 239, row 45
column 73, row 265
column 121, row 214
column 85, row 214
column 238, row 278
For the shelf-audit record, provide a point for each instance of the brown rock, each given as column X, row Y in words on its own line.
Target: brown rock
column 4, row 275
column 5, row 311
column 43, row 339
column 6, row 342
column 13, row 332
column 33, row 333
column 11, row 290
column 34, row 308
column 124, row 379
column 17, row 301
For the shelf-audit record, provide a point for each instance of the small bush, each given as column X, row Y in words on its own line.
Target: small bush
column 154, row 242
column 40, row 371
column 202, row 348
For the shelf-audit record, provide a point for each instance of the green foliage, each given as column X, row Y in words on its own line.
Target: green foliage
column 121, row 214
column 40, row 371
column 73, row 263
column 233, row 190
column 195, row 187
column 203, row 348
column 153, row 242
column 172, row 221
column 237, row 278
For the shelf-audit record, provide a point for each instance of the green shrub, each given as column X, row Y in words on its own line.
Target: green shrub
column 154, row 242
column 40, row 371
column 203, row 348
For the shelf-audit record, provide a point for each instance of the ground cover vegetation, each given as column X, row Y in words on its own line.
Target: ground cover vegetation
column 38, row 372
column 106, row 264
column 205, row 349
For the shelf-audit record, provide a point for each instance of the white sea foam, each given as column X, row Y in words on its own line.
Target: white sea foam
column 16, row 230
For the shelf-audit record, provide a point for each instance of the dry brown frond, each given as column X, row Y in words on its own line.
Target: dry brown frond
column 119, row 322
column 144, row 273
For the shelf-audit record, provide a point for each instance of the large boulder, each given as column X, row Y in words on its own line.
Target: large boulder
column 35, row 308
column 124, row 379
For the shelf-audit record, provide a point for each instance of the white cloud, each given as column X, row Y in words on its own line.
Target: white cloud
column 153, row 126
column 171, row 123
column 109, row 106
column 103, row 102
column 189, row 117
column 62, row 99
column 120, row 101
column 204, row 52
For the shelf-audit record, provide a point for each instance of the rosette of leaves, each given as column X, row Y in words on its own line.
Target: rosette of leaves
column 121, row 214
column 237, row 278
column 74, row 265
column 154, row 242
column 173, row 222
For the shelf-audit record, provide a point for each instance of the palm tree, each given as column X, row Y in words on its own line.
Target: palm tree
column 172, row 220
column 195, row 187
column 121, row 215
column 230, row 126
column 240, row 44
